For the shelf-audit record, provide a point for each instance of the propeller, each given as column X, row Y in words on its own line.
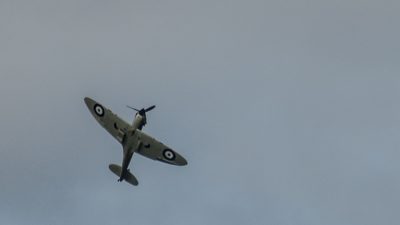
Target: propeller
column 142, row 111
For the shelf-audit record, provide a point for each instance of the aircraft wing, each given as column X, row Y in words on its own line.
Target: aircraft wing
column 153, row 149
column 116, row 126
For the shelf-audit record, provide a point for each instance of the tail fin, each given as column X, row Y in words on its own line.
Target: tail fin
column 129, row 177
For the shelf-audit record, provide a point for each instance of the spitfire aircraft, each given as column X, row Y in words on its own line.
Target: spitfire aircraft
column 132, row 139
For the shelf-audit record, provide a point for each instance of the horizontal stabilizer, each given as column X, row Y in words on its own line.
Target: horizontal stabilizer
column 115, row 169
column 129, row 177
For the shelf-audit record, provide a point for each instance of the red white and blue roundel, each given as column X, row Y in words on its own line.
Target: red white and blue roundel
column 99, row 110
column 169, row 154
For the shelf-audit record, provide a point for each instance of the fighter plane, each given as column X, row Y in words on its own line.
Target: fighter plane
column 132, row 139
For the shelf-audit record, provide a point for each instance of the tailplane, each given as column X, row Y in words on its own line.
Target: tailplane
column 129, row 177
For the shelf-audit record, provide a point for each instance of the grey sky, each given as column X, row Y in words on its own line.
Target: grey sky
column 287, row 111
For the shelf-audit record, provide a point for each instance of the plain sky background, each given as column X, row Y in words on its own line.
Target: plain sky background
column 287, row 111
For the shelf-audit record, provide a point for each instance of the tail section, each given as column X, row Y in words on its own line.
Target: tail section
column 128, row 176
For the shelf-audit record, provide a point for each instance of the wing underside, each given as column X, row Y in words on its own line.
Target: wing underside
column 111, row 122
column 153, row 149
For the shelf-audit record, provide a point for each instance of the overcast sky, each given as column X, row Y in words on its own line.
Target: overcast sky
column 287, row 111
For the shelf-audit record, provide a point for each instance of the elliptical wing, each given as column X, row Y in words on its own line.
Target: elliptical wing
column 116, row 126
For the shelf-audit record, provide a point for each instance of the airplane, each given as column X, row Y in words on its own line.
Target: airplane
column 132, row 139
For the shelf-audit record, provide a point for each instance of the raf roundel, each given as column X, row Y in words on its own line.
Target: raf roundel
column 99, row 110
column 169, row 154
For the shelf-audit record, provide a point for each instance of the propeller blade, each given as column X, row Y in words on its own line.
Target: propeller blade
column 150, row 108
column 133, row 108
